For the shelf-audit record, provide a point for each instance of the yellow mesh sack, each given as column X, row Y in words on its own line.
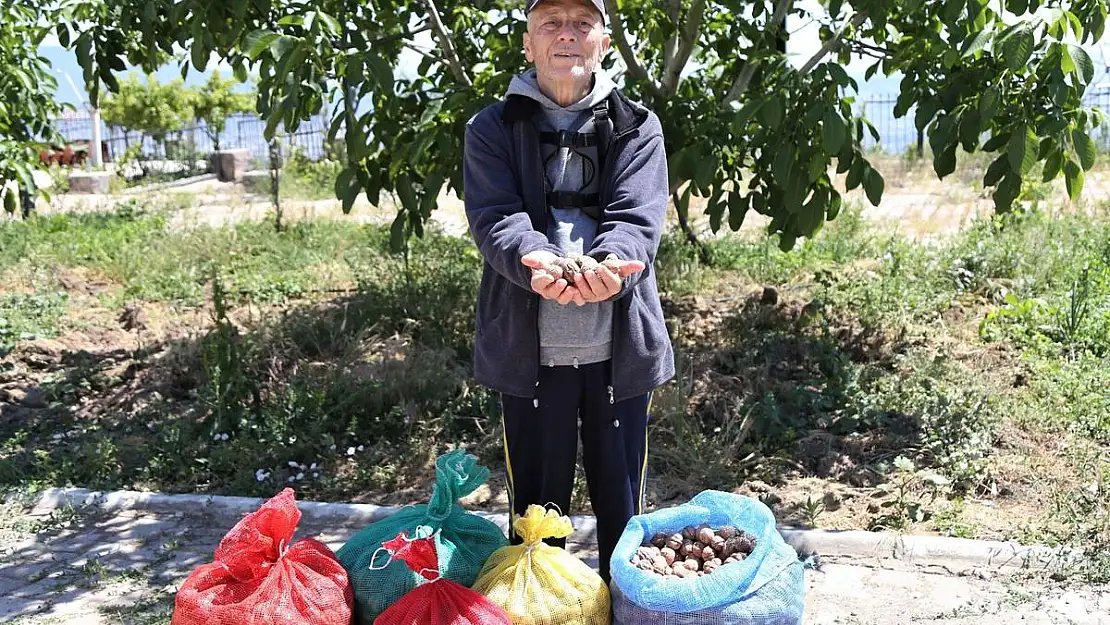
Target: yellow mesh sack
column 537, row 584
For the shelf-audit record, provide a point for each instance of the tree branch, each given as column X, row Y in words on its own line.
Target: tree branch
column 448, row 45
column 864, row 48
column 782, row 8
column 634, row 68
column 689, row 38
column 674, row 9
column 856, row 20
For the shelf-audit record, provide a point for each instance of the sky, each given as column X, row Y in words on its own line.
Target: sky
column 803, row 44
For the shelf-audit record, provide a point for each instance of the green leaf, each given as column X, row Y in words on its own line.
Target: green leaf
column 433, row 184
column 381, row 71
column 1052, row 166
column 330, row 24
column 407, row 193
column 1084, row 148
column 988, row 104
column 771, row 114
column 995, row 171
column 737, row 209
column 944, row 162
column 925, row 112
column 397, row 232
column 784, row 164
column 259, row 41
column 969, row 130
column 855, row 174
column 745, row 112
column 1007, row 192
column 835, row 204
column 1017, row 7
column 346, row 188
column 834, row 132
column 1022, row 150
column 431, row 109
column 1083, row 63
column 706, row 169
column 1073, row 177
column 200, row 54
column 1018, row 49
column 996, row 141
column 873, row 185
column 972, row 46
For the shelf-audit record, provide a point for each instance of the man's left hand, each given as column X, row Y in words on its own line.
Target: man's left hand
column 604, row 281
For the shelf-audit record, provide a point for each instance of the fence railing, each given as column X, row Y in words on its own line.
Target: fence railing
column 897, row 135
column 195, row 141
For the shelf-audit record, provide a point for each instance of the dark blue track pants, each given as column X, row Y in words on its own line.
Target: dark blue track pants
column 541, row 445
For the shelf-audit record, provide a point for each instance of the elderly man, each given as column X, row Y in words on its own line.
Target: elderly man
column 566, row 194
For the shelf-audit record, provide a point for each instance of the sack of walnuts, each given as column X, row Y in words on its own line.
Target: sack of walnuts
column 716, row 560
column 537, row 584
column 463, row 540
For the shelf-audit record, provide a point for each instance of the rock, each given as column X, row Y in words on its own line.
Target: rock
column 87, row 182
column 45, row 347
column 770, row 296
column 479, row 497
column 28, row 398
column 230, row 165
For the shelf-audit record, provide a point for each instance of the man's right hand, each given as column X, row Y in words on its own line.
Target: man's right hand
column 548, row 281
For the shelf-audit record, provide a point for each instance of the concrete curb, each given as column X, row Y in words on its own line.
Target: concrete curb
column 954, row 554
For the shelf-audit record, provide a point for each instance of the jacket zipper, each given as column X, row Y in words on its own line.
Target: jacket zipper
column 606, row 195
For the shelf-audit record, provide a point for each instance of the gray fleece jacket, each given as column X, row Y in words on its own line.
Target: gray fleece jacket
column 570, row 334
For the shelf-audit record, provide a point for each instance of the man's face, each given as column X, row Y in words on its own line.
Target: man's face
column 565, row 39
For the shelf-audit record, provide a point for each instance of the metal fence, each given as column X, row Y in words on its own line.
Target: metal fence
column 897, row 135
column 196, row 142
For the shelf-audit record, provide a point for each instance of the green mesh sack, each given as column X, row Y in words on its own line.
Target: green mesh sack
column 464, row 541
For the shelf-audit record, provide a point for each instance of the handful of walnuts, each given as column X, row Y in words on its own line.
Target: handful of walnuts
column 693, row 552
column 568, row 268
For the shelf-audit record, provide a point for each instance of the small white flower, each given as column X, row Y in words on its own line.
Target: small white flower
column 57, row 437
column 300, row 476
column 261, row 475
column 313, row 467
column 315, row 475
column 331, row 447
column 361, row 448
column 293, row 464
column 350, row 451
column 291, row 478
column 292, row 439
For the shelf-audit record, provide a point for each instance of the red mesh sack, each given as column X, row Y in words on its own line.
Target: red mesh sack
column 437, row 600
column 258, row 577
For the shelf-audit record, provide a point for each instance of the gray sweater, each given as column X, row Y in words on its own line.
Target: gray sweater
column 570, row 334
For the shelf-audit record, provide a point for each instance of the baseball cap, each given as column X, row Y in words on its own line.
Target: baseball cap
column 598, row 4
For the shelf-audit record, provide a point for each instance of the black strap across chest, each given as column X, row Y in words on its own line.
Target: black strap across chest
column 589, row 203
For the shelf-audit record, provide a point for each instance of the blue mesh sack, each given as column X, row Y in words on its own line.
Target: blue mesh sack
column 766, row 588
column 463, row 541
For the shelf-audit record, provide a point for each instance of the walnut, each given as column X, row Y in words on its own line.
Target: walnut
column 659, row 540
column 690, row 533
column 668, row 554
column 727, row 532
column 705, row 536
column 675, row 541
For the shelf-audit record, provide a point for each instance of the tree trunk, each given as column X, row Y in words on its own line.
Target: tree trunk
column 691, row 238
